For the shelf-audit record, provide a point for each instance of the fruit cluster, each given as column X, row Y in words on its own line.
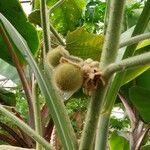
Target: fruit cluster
column 71, row 73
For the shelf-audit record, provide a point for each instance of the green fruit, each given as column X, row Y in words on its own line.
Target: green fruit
column 68, row 77
column 53, row 56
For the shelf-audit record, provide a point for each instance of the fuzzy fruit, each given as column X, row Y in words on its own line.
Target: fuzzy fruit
column 53, row 56
column 68, row 77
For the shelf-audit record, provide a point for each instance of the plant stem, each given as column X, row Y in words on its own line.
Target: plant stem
column 113, row 31
column 135, row 39
column 117, row 80
column 26, row 128
column 36, row 106
column 100, row 143
column 129, row 52
column 106, row 17
column 126, row 64
column 56, row 34
column 22, row 75
column 56, row 5
column 88, row 135
column 112, row 36
column 140, row 140
column 105, row 115
column 136, row 134
column 108, row 56
column 129, row 110
column 45, row 26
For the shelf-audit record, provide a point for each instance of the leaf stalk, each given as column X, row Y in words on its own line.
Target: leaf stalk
column 125, row 64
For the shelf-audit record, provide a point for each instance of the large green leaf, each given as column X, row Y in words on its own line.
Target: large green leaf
column 54, row 102
column 144, row 80
column 118, row 142
column 67, row 16
column 140, row 97
column 83, row 44
column 13, row 11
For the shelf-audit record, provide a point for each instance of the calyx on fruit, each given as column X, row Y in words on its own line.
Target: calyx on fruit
column 68, row 77
column 54, row 56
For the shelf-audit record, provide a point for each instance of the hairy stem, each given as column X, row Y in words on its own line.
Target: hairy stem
column 92, row 116
column 135, row 39
column 108, row 56
column 105, row 116
column 22, row 75
column 113, row 31
column 126, row 64
column 26, row 128
column 117, row 80
column 129, row 52
column 36, row 106
column 45, row 26
column 56, row 34
column 106, row 17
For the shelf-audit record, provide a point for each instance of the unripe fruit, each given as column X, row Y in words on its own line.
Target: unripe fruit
column 53, row 56
column 68, row 77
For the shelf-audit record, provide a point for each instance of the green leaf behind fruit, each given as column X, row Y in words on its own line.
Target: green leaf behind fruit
column 84, row 44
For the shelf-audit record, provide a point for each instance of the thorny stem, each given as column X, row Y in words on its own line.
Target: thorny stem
column 125, row 64
column 135, row 39
column 26, row 128
column 22, row 76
